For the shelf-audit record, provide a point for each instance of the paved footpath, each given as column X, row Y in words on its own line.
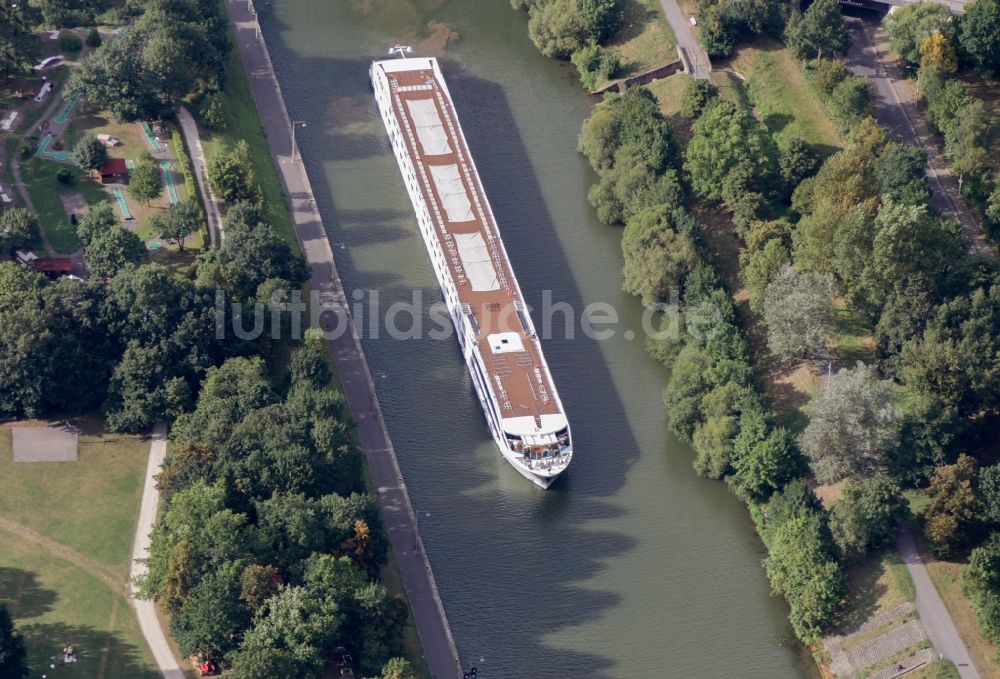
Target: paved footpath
column 401, row 523
column 145, row 610
column 701, row 65
column 192, row 140
column 933, row 614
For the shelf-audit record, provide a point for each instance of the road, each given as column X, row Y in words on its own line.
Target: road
column 701, row 65
column 896, row 108
column 192, row 139
column 352, row 368
column 145, row 610
column 933, row 614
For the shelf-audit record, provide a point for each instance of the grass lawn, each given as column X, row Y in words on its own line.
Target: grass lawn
column 90, row 505
column 852, row 338
column 63, row 590
column 669, row 91
column 40, row 179
column 876, row 584
column 55, row 603
column 785, row 101
column 942, row 669
column 243, row 123
column 644, row 40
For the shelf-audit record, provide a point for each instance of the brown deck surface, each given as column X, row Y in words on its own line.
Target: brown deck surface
column 525, row 387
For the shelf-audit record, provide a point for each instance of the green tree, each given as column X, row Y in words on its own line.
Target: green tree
column 13, row 654
column 797, row 161
column 723, row 137
column 826, row 74
column 851, row 100
column 953, row 508
column 398, row 668
column 109, row 251
column 760, row 267
column 595, row 65
column 177, row 223
column 17, row 38
column 93, row 39
column 698, row 94
column 802, row 570
column 980, row 36
column 657, row 257
column 852, row 426
column 89, row 153
column 146, row 182
column 231, row 174
column 764, row 459
column 210, row 621
column 798, row 311
column 901, row 174
column 18, row 229
column 988, row 492
column 907, row 27
column 821, row 31
column 981, row 582
column 867, row 515
column 560, row 27
column 98, row 219
column 290, row 636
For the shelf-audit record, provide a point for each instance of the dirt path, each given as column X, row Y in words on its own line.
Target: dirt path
column 101, row 571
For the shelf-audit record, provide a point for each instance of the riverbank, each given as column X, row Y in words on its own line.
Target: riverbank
column 397, row 512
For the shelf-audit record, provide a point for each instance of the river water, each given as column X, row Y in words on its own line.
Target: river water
column 630, row 565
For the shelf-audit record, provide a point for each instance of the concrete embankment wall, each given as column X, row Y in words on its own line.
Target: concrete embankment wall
column 643, row 78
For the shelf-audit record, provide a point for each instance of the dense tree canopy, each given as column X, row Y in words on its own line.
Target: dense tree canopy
column 724, row 137
column 907, row 27
column 980, row 36
column 820, row 32
column 798, row 311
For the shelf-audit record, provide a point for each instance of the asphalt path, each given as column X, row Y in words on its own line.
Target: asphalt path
column 933, row 614
column 700, row 64
column 397, row 512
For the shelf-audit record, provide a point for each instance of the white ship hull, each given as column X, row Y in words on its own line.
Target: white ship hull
column 540, row 470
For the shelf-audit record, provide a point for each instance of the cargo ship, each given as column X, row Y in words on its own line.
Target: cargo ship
column 491, row 319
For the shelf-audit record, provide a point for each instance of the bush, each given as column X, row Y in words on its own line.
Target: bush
column 697, row 96
column 89, row 153
column 70, row 42
column 94, row 39
column 64, row 176
column 561, row 27
column 213, row 111
column 851, row 100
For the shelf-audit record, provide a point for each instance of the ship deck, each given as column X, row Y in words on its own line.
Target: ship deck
column 470, row 241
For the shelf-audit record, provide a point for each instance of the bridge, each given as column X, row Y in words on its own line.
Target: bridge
column 956, row 6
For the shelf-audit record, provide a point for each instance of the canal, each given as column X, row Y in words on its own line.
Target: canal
column 629, row 566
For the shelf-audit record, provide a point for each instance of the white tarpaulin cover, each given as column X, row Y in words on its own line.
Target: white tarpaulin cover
column 452, row 191
column 430, row 129
column 476, row 261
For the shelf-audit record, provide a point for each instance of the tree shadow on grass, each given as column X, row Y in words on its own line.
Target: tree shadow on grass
column 100, row 654
column 23, row 595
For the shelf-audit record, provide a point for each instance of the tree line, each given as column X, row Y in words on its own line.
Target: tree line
column 939, row 46
column 855, row 226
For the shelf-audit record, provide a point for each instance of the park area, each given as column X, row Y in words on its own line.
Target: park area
column 66, row 531
column 41, row 172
